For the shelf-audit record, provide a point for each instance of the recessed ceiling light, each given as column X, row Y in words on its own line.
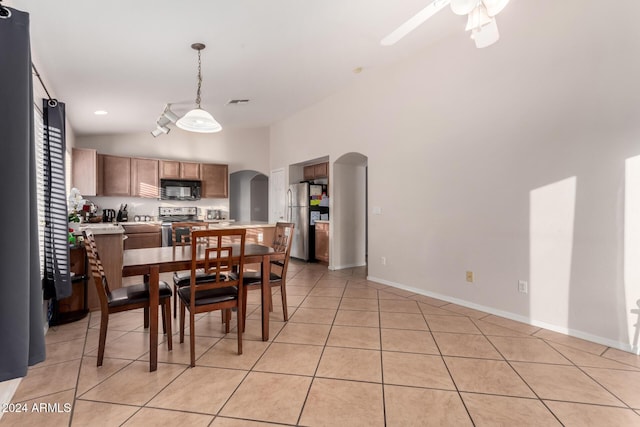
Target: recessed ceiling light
column 100, row 113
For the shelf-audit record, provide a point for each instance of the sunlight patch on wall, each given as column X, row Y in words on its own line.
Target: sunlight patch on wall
column 632, row 248
column 552, row 214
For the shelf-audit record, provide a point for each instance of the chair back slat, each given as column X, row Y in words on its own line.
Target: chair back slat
column 97, row 270
column 219, row 258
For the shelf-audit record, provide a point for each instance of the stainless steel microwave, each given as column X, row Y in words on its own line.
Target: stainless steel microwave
column 178, row 189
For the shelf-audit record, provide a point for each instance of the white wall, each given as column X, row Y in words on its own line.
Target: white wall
column 462, row 146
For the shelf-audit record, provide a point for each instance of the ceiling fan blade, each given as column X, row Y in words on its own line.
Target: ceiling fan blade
column 414, row 22
column 463, row 7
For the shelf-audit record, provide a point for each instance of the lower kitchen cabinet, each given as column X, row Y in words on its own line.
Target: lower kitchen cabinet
column 142, row 236
column 322, row 241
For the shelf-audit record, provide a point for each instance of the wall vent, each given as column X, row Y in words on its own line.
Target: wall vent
column 238, row 102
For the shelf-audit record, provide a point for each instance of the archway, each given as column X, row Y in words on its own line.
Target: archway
column 249, row 196
column 348, row 233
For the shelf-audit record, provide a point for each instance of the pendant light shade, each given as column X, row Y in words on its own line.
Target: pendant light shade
column 198, row 120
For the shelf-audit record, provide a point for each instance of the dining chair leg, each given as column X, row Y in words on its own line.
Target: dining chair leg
column 285, row 312
column 167, row 316
column 244, row 309
column 192, row 338
column 240, row 316
column 146, row 317
column 175, row 300
column 227, row 315
column 181, row 322
column 104, row 323
column 164, row 318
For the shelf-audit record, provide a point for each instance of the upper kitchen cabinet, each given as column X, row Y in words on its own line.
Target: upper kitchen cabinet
column 84, row 171
column 215, row 181
column 115, row 174
column 144, row 178
column 172, row 169
column 319, row 170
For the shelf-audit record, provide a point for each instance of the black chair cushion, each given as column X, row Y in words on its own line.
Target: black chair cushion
column 183, row 278
column 255, row 278
column 136, row 293
column 209, row 296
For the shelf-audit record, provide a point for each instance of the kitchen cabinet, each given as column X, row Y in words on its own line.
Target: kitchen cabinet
column 145, row 180
column 173, row 169
column 215, row 181
column 84, row 171
column 115, row 175
column 322, row 241
column 319, row 170
column 142, row 236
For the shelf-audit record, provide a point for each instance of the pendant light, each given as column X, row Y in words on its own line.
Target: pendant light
column 198, row 120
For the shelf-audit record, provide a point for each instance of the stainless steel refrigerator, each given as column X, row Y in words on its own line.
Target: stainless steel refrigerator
column 300, row 211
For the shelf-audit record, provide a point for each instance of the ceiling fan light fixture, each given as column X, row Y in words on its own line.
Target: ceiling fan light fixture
column 494, row 7
column 198, row 120
column 486, row 35
column 478, row 18
column 463, row 7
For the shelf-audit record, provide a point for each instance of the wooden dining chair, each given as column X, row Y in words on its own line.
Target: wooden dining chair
column 181, row 236
column 123, row 299
column 217, row 258
column 279, row 264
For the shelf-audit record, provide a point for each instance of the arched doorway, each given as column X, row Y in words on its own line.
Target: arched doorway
column 348, row 234
column 249, row 196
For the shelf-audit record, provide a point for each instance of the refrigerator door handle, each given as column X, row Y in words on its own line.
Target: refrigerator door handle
column 289, row 214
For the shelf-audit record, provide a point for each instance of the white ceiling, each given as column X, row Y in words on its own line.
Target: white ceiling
column 130, row 58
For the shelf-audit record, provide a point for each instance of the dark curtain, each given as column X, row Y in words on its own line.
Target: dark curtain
column 56, row 282
column 21, row 323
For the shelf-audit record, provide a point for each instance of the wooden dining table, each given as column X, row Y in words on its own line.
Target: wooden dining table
column 153, row 261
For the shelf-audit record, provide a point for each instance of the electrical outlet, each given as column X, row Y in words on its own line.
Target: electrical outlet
column 470, row 276
column 260, row 237
column 383, row 260
column 523, row 286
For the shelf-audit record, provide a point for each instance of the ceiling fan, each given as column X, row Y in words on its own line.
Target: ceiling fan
column 481, row 21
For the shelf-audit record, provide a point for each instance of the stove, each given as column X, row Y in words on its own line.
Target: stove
column 175, row 214
column 169, row 214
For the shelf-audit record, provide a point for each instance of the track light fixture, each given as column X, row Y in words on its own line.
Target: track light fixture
column 163, row 121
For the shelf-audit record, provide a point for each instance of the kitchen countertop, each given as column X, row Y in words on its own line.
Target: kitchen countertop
column 323, row 221
column 101, row 228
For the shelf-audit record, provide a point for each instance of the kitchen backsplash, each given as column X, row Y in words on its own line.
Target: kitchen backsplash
column 149, row 207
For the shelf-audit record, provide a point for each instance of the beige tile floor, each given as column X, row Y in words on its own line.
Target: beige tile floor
column 354, row 353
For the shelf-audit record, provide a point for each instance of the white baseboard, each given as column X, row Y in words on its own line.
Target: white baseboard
column 342, row 267
column 512, row 316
